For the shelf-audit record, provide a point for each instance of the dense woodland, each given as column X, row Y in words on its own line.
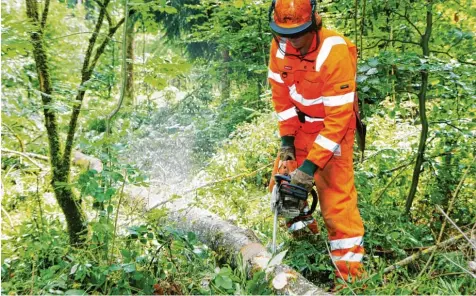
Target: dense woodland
column 99, row 96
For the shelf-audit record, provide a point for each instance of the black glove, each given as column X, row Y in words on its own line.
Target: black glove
column 304, row 175
column 287, row 150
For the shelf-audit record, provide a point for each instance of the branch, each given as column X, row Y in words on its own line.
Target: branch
column 467, row 271
column 32, row 11
column 44, row 15
column 27, row 156
column 409, row 21
column 103, row 45
column 391, row 40
column 20, row 141
column 438, row 19
column 456, row 43
column 417, row 255
column 456, row 226
column 425, row 46
column 451, row 56
column 121, row 195
column 230, row 178
column 86, row 75
column 453, row 198
column 450, row 207
column 45, row 85
column 449, row 124
column 123, row 69
column 402, row 167
column 108, row 17
column 7, row 215
column 398, row 167
column 33, row 155
column 73, row 34
column 92, row 42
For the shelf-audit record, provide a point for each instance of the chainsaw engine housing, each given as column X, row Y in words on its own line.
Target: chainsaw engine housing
column 287, row 199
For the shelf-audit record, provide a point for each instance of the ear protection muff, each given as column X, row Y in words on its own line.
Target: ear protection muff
column 270, row 11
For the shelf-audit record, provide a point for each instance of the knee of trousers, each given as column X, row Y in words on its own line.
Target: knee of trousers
column 338, row 199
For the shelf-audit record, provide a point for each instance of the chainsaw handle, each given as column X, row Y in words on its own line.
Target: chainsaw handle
column 279, row 178
column 314, row 202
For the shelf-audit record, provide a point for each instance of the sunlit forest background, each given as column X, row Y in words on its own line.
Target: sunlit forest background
column 102, row 96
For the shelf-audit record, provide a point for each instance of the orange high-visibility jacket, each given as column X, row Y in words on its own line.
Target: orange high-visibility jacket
column 321, row 85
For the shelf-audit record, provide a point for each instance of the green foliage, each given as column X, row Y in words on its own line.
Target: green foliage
column 203, row 88
column 390, row 236
column 149, row 259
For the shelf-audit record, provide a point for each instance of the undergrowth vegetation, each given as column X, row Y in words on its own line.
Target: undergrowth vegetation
column 197, row 123
column 390, row 235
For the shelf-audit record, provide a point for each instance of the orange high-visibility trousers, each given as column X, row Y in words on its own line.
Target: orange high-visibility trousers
column 338, row 202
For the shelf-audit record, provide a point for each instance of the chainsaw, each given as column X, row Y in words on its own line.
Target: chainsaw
column 290, row 201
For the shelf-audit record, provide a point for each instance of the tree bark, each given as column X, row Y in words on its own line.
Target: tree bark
column 60, row 179
column 425, row 39
column 60, row 161
column 129, row 94
column 86, row 75
column 227, row 239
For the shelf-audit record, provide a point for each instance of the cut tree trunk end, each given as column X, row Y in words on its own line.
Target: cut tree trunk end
column 227, row 239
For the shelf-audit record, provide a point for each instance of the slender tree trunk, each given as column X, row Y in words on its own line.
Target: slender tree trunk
column 60, row 160
column 129, row 94
column 362, row 28
column 425, row 40
column 60, row 179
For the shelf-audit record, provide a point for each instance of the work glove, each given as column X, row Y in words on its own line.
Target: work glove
column 287, row 150
column 304, row 175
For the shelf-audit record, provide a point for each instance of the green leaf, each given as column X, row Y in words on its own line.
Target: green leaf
column 170, row 9
column 373, row 62
column 115, row 267
column 137, row 276
column 130, row 267
column 191, row 237
column 224, row 282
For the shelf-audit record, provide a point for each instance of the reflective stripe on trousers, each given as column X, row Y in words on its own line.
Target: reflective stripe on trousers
column 338, row 201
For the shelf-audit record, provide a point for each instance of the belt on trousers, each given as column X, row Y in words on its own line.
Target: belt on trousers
column 303, row 117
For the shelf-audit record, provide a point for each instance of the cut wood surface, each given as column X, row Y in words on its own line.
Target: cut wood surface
column 226, row 238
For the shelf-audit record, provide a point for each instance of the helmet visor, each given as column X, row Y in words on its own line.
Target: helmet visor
column 291, row 32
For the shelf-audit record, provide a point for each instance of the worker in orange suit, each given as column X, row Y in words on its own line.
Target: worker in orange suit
column 312, row 74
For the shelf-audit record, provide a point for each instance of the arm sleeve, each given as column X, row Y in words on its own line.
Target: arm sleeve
column 287, row 117
column 338, row 99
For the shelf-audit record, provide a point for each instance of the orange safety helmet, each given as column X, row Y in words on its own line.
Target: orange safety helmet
column 292, row 17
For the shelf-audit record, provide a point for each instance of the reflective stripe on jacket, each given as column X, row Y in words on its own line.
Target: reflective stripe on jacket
column 321, row 85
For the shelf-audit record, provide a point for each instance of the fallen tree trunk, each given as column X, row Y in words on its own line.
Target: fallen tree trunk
column 226, row 238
